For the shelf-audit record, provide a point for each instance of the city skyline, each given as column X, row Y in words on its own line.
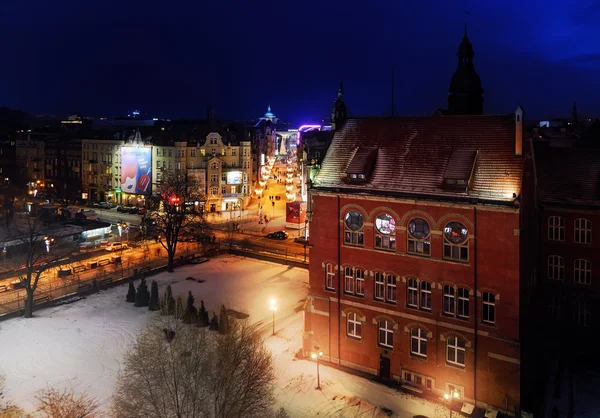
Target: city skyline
column 102, row 61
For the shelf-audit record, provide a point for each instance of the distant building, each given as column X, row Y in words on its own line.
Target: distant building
column 419, row 254
column 62, row 170
column 101, row 170
column 30, row 162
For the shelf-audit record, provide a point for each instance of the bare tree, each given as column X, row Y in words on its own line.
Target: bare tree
column 177, row 370
column 178, row 214
column 53, row 403
column 7, row 408
column 31, row 237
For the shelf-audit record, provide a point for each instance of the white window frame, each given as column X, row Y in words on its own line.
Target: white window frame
column 453, row 344
column 353, row 325
column 582, row 231
column 349, row 280
column 463, row 301
column 329, row 276
column 412, row 288
column 488, row 302
column 556, row 228
column 449, row 298
column 359, row 274
column 391, row 294
column 556, row 267
column 384, row 326
column 379, row 283
column 582, row 271
column 420, row 337
column 424, row 295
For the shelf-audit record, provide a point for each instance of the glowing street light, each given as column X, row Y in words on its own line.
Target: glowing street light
column 273, row 308
column 317, row 356
column 449, row 397
column 48, row 241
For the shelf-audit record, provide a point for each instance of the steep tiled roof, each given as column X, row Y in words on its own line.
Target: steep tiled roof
column 414, row 154
column 568, row 175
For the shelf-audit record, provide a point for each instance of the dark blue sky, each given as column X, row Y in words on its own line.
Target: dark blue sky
column 171, row 58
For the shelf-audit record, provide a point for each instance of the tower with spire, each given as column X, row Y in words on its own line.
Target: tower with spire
column 339, row 113
column 465, row 96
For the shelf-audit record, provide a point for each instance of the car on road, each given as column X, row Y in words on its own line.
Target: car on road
column 116, row 246
column 281, row 235
column 301, row 240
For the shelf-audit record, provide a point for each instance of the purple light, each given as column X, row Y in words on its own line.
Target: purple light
column 304, row 128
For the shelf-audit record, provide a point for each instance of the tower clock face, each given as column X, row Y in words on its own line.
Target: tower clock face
column 418, row 228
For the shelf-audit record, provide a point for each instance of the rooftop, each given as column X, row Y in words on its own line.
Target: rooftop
column 416, row 155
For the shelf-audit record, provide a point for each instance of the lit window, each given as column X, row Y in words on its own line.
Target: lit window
column 418, row 237
column 349, row 280
column 583, row 272
column 353, row 226
column 412, row 293
column 583, row 231
column 426, row 295
column 456, row 244
column 379, row 286
column 386, row 334
column 329, row 276
column 418, row 342
column 353, row 325
column 448, row 300
column 583, row 314
column 385, row 232
column 489, row 308
column 462, row 310
column 556, row 267
column 556, row 228
column 455, row 351
column 203, row 152
column 360, row 282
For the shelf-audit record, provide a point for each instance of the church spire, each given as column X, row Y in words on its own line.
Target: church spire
column 339, row 113
column 465, row 95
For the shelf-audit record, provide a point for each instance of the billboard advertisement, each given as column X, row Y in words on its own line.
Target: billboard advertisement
column 234, row 177
column 136, row 170
column 198, row 175
column 295, row 215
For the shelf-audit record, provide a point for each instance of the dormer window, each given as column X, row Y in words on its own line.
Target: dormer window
column 362, row 164
column 459, row 169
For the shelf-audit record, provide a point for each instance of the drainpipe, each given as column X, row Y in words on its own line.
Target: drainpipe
column 339, row 293
column 475, row 318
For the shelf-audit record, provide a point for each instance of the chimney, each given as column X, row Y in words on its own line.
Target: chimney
column 519, row 123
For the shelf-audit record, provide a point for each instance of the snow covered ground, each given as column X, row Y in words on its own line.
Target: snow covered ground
column 81, row 345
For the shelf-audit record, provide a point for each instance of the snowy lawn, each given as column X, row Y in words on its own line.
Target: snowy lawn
column 81, row 345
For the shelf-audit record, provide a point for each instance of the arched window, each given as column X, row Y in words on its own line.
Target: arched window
column 412, row 293
column 448, row 300
column 354, row 326
column 329, row 276
column 462, row 307
column 583, row 272
column 349, row 280
column 353, row 228
column 418, row 237
column 455, row 351
column 379, row 286
column 391, row 288
column 456, row 243
column 418, row 342
column 488, row 308
column 426, row 295
column 583, row 231
column 385, row 287
column 556, row 228
column 386, row 334
column 360, row 282
column 385, row 232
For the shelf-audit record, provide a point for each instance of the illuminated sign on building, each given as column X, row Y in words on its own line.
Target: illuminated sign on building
column 234, row 177
column 136, row 170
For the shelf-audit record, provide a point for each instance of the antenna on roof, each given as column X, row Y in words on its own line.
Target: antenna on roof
column 393, row 91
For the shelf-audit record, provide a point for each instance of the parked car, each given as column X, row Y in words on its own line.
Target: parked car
column 281, row 235
column 133, row 209
column 116, row 246
column 120, row 208
column 301, row 240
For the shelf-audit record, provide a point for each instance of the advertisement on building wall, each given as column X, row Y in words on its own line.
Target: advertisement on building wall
column 136, row 166
column 198, row 176
column 295, row 215
column 234, row 177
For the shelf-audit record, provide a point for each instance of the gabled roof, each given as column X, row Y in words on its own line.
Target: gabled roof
column 414, row 154
column 568, row 175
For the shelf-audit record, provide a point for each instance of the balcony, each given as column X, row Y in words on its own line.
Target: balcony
column 107, row 163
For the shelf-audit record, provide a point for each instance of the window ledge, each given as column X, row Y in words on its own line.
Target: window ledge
column 385, row 347
column 455, row 366
column 452, row 260
column 418, row 357
column 354, row 295
column 489, row 324
column 346, row 244
column 419, row 255
column 329, row 290
column 387, row 250
column 353, row 338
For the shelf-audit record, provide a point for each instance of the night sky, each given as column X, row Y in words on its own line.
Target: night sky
column 172, row 58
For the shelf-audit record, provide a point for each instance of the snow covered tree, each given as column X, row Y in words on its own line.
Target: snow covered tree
column 130, row 292
column 223, row 321
column 167, row 304
column 214, row 323
column 53, row 403
column 190, row 311
column 142, row 297
column 153, row 304
column 200, row 374
column 202, row 315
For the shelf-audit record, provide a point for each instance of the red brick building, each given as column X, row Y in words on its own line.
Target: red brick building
column 569, row 265
column 417, row 261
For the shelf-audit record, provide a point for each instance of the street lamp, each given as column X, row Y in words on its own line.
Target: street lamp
column 449, row 397
column 273, row 308
column 47, row 241
column 317, row 356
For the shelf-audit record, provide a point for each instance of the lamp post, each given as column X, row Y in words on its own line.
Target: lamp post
column 449, row 397
column 273, row 308
column 47, row 241
column 317, row 356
